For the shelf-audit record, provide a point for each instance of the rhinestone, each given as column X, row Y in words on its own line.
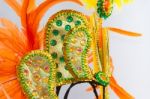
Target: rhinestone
column 59, row 23
column 73, row 40
column 46, row 68
column 69, row 19
column 61, row 59
column 59, row 74
column 67, row 27
column 45, row 80
column 77, row 22
column 80, row 34
column 53, row 42
column 55, row 32
column 54, row 55
column 82, row 42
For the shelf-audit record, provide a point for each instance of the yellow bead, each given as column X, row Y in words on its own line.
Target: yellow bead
column 73, row 40
column 82, row 42
column 45, row 80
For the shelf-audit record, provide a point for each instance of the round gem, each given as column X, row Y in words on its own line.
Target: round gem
column 53, row 42
column 67, row 27
column 59, row 23
column 78, row 23
column 55, row 32
column 82, row 42
column 61, row 59
column 59, row 74
column 46, row 68
column 54, row 55
column 69, row 19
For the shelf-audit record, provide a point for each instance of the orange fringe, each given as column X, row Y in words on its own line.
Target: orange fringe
column 14, row 5
column 122, row 94
column 124, row 32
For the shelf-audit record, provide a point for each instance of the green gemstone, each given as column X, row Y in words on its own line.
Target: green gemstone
column 55, row 32
column 59, row 23
column 61, row 59
column 54, row 55
column 59, row 74
column 62, row 37
column 78, row 23
column 67, row 27
column 53, row 42
column 69, row 19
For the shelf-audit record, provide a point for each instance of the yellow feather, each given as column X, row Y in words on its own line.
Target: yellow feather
column 120, row 3
column 90, row 3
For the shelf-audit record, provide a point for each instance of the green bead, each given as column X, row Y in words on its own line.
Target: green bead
column 54, row 55
column 67, row 27
column 62, row 37
column 61, row 59
column 53, row 42
column 69, row 19
column 59, row 23
column 59, row 74
column 102, row 79
column 78, row 23
column 55, row 32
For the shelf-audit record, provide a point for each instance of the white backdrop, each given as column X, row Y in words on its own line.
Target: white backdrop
column 131, row 56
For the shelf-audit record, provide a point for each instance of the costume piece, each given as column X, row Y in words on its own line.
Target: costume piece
column 37, row 75
column 35, row 64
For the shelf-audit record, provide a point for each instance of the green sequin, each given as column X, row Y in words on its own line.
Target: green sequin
column 54, row 55
column 69, row 19
column 59, row 23
column 78, row 23
column 61, row 59
column 59, row 74
column 67, row 27
column 55, row 32
column 53, row 42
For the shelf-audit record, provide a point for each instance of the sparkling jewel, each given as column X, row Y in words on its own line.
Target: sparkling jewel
column 69, row 19
column 62, row 59
column 55, row 32
column 59, row 74
column 59, row 23
column 53, row 42
column 67, row 27
column 78, row 23
column 54, row 55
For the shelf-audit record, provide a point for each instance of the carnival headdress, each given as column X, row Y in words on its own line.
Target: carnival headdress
column 35, row 64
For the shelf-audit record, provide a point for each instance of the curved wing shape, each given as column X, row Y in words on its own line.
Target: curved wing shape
column 36, row 74
column 57, row 27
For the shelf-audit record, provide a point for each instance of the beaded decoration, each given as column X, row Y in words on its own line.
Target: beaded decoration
column 76, row 45
column 37, row 74
column 104, row 8
column 38, row 63
column 57, row 27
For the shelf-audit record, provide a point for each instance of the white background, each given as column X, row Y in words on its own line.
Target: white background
column 131, row 56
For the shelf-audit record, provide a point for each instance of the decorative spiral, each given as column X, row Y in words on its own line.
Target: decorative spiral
column 104, row 8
